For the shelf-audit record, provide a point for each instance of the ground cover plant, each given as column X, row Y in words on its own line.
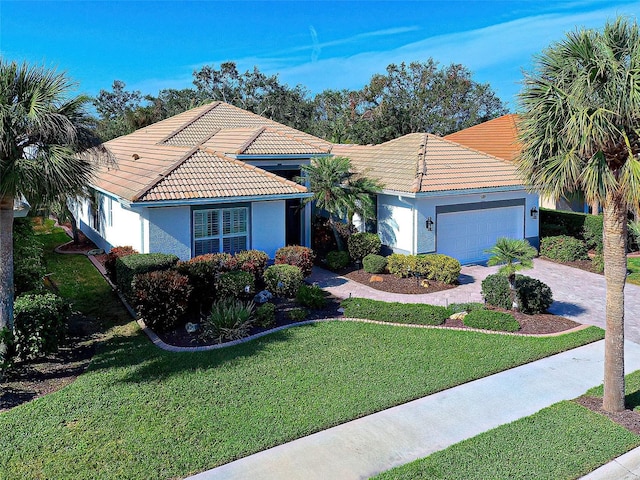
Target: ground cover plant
column 633, row 266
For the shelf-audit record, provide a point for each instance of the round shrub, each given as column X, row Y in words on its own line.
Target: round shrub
column 496, row 291
column 236, row 284
column 438, row 267
column 563, row 248
column 161, row 297
column 311, row 297
column 301, row 257
column 252, row 261
column 534, row 296
column 373, row 263
column 491, row 320
column 362, row 244
column 283, row 280
column 114, row 254
column 337, row 260
column 401, row 265
column 40, row 324
column 265, row 315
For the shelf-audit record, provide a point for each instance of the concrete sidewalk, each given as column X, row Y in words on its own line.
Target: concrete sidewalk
column 378, row 442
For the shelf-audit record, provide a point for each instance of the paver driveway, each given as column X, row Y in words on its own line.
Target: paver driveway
column 577, row 294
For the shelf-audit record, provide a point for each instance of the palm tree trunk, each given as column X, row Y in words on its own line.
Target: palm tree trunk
column 6, row 263
column 615, row 273
column 336, row 234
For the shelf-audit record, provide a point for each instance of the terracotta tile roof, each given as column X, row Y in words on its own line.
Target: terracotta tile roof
column 204, row 174
column 146, row 158
column 421, row 162
column 497, row 137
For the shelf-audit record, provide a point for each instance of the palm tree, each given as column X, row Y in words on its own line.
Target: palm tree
column 514, row 255
column 42, row 131
column 580, row 129
column 339, row 191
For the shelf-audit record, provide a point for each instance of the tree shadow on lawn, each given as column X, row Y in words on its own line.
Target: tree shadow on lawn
column 149, row 363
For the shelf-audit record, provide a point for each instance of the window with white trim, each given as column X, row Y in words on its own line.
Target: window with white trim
column 220, row 230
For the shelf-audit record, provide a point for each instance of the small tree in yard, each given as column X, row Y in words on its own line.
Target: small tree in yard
column 514, row 255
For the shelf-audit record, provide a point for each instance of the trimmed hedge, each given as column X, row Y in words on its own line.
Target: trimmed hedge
column 563, row 248
column 592, row 232
column 559, row 222
column 432, row 266
column 394, row 312
column 373, row 263
column 130, row 266
column 491, row 320
column 114, row 254
column 301, row 257
column 362, row 244
column 253, row 261
column 161, row 298
column 496, row 291
column 283, row 280
column 337, row 260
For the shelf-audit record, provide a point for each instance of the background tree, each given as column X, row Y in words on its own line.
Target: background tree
column 339, row 191
column 513, row 254
column 580, row 130
column 42, row 131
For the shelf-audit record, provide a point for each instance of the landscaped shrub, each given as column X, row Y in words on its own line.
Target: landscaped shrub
column 495, row 291
column 563, row 248
column 394, row 312
column 230, row 319
column 373, row 263
column 202, row 274
column 592, row 232
column 131, row 265
column 161, row 298
column 283, row 280
column 491, row 320
column 297, row 314
column 311, row 297
column 252, row 261
column 323, row 238
column 265, row 315
column 362, row 244
column 466, row 307
column 114, row 254
column 28, row 258
column 401, row 265
column 337, row 260
column 534, row 296
column 301, row 257
column 432, row 266
column 597, row 263
column 236, row 284
column 40, row 324
column 559, row 222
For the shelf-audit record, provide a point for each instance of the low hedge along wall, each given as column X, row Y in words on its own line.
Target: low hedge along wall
column 131, row 265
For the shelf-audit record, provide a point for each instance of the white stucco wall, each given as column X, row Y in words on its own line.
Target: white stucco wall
column 169, row 231
column 268, row 226
column 396, row 222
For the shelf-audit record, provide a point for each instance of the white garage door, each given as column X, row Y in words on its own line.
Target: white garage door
column 466, row 235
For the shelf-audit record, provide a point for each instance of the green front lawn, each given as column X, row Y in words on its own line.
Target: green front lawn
column 140, row 412
column 633, row 265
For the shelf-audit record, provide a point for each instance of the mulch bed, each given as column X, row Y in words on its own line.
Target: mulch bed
column 628, row 419
column 585, row 265
column 539, row 324
column 392, row 284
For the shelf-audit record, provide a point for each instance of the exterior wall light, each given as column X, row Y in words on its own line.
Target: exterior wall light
column 534, row 213
column 429, row 224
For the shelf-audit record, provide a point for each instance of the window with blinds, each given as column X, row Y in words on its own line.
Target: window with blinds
column 220, row 230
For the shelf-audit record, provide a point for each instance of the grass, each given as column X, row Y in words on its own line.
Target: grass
column 565, row 440
column 633, row 265
column 140, row 412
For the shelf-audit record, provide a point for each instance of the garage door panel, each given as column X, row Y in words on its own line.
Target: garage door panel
column 467, row 234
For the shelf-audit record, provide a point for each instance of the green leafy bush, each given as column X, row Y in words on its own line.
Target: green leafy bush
column 597, row 263
column 491, row 320
column 432, row 266
column 131, row 265
column 311, row 297
column 592, row 232
column 401, row 265
column 534, row 296
column 373, row 263
column 9, row 355
column 40, row 324
column 230, row 319
column 337, row 260
column 496, row 291
column 559, row 222
column 297, row 314
column 283, row 280
column 161, row 298
column 252, row 261
column 28, row 258
column 362, row 244
column 301, row 257
column 265, row 315
column 394, row 312
column 563, row 248
column 114, row 254
column 236, row 284
column 466, row 307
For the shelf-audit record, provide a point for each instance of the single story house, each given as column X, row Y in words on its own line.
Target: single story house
column 499, row 137
column 215, row 178
column 442, row 197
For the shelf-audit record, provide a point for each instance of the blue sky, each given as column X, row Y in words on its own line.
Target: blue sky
column 152, row 45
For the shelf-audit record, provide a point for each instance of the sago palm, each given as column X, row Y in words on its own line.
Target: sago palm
column 42, row 131
column 580, row 130
column 513, row 254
